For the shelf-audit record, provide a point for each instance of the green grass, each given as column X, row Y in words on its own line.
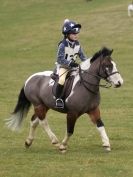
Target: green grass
column 29, row 33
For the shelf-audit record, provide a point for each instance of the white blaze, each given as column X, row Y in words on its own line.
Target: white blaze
column 115, row 78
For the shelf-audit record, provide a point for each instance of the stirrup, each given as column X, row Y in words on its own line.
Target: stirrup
column 59, row 103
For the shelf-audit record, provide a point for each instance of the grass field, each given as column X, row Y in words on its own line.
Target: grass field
column 29, row 33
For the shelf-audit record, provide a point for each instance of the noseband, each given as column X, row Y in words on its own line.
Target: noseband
column 110, row 74
column 84, row 82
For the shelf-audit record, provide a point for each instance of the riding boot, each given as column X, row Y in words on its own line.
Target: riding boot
column 59, row 101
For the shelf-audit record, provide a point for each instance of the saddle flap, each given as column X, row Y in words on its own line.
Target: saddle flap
column 67, row 87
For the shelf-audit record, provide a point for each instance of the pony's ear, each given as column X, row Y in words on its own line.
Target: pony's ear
column 106, row 51
column 111, row 51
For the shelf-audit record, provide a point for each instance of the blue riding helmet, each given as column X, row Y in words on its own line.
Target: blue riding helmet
column 71, row 27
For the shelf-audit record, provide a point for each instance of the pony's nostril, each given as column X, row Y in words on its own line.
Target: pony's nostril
column 118, row 84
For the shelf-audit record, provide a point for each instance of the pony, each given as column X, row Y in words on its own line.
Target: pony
column 83, row 98
column 130, row 8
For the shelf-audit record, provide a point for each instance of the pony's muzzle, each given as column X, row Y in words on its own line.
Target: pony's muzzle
column 119, row 83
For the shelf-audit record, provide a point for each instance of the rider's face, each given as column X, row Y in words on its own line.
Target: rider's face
column 73, row 37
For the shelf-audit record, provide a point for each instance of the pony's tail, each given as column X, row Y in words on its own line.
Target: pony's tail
column 20, row 111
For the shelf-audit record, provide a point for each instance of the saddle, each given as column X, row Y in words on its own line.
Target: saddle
column 67, row 86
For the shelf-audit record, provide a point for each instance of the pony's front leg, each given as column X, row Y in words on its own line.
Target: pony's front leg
column 63, row 145
column 95, row 117
column 33, row 124
column 71, row 119
column 103, row 134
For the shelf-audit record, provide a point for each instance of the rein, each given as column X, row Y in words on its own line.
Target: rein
column 107, row 85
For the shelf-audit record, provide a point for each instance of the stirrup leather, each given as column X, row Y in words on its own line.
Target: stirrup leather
column 59, row 103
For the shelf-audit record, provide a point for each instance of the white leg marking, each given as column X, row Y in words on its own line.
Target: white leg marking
column 63, row 145
column 104, row 137
column 66, row 138
column 45, row 126
column 33, row 125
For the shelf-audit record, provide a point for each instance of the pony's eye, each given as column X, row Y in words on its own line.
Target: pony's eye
column 108, row 66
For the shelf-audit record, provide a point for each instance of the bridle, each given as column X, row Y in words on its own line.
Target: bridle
column 86, row 84
column 98, row 76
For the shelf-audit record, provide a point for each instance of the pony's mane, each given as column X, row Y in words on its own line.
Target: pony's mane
column 103, row 52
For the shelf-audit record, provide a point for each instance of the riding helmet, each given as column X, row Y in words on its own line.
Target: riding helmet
column 70, row 27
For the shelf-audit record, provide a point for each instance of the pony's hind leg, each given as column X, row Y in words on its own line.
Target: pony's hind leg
column 51, row 135
column 95, row 117
column 41, row 112
column 33, row 124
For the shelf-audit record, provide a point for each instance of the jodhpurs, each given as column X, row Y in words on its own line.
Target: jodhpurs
column 62, row 75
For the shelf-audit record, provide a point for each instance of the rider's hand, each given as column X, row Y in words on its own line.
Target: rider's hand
column 73, row 64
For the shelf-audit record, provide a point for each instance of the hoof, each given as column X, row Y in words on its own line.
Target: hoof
column 55, row 141
column 107, row 148
column 28, row 143
column 56, row 144
column 62, row 147
column 63, row 151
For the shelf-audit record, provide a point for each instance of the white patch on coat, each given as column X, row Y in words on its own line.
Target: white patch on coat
column 51, row 82
column 76, row 79
column 85, row 64
column 44, row 73
column 104, row 136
